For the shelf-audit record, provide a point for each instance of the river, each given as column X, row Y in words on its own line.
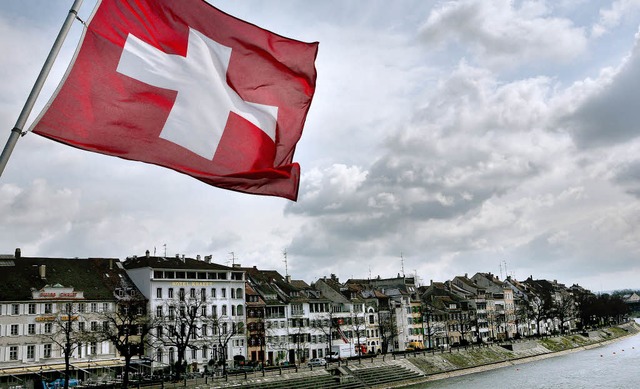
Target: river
column 616, row 365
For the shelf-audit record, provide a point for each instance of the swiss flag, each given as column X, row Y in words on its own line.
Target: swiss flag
column 183, row 85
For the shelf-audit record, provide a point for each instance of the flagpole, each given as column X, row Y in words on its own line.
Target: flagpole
column 37, row 87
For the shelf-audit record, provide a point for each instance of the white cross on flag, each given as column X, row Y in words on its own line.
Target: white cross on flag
column 183, row 85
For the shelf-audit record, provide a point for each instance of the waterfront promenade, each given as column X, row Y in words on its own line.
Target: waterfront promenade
column 409, row 369
column 414, row 368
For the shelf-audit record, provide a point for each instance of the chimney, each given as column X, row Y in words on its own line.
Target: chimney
column 288, row 279
column 207, row 258
column 198, row 257
column 18, row 253
column 42, row 270
column 146, row 253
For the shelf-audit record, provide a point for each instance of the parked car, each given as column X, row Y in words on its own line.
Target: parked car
column 316, row 362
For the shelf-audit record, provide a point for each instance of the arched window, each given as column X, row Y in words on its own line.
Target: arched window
column 159, row 355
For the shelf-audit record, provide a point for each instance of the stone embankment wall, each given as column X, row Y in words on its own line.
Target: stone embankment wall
column 475, row 359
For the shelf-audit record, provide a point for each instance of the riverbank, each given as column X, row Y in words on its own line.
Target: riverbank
column 406, row 370
column 463, row 362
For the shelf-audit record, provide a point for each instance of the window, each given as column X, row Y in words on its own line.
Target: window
column 13, row 353
column 159, row 331
column 203, row 294
column 93, row 349
column 105, row 326
column 224, row 309
column 31, row 329
column 159, row 293
column 181, row 294
column 239, row 293
column 47, row 350
column 159, row 311
column 214, row 311
column 240, row 310
column 15, row 309
column 170, row 293
column 172, row 312
column 14, row 329
column 192, row 293
column 203, row 311
column 205, row 352
column 105, row 307
column 94, row 307
column 31, row 351
column 81, row 307
column 194, row 354
column 233, row 309
column 94, row 326
column 48, row 327
column 204, row 330
column 223, row 292
column 81, row 326
column 233, row 293
column 213, row 292
column 159, row 355
column 32, row 309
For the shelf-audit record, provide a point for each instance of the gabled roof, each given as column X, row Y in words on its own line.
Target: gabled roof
column 98, row 278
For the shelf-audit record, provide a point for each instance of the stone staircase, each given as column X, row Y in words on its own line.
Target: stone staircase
column 382, row 376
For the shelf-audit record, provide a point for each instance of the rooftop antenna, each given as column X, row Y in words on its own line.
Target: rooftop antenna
column 501, row 268
column 286, row 264
column 233, row 258
column 165, row 250
column 402, row 261
column 369, row 271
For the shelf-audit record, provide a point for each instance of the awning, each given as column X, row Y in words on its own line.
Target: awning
column 59, row 367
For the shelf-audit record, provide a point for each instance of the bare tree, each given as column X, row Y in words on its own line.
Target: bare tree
column 126, row 327
column 388, row 328
column 63, row 331
column 179, row 328
column 223, row 328
column 324, row 324
column 357, row 327
column 565, row 310
column 540, row 307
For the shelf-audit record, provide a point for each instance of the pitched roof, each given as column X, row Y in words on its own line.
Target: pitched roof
column 98, row 278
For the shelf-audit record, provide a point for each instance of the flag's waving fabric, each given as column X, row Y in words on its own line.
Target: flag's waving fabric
column 183, row 85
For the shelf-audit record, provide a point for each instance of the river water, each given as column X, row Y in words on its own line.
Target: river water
column 616, row 365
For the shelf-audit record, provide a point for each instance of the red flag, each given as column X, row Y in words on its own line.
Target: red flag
column 183, row 85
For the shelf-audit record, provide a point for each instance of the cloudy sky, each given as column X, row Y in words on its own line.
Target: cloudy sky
column 445, row 137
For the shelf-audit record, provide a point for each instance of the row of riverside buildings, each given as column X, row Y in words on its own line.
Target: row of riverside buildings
column 210, row 316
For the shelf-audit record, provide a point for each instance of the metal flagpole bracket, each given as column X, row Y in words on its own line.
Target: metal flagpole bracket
column 16, row 132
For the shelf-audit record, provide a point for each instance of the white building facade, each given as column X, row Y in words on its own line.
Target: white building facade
column 214, row 292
